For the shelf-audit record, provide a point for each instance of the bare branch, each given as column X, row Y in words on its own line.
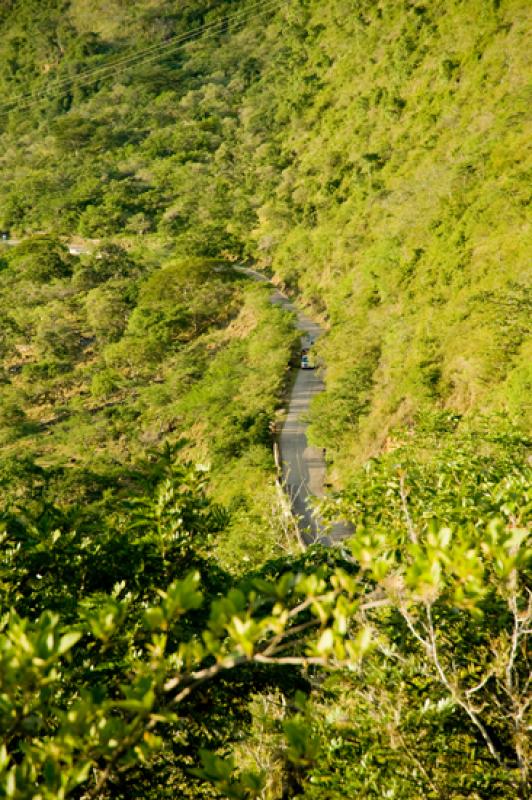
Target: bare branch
column 480, row 685
column 455, row 693
column 404, row 502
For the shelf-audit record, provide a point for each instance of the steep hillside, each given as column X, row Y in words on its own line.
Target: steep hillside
column 373, row 156
column 401, row 211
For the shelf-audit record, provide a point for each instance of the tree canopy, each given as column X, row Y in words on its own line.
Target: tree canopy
column 161, row 633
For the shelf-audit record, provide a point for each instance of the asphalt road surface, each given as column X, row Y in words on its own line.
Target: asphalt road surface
column 303, row 466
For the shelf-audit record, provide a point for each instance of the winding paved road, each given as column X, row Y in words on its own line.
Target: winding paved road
column 303, row 466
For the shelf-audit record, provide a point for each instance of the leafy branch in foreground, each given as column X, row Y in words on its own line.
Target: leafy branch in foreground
column 70, row 734
column 58, row 736
column 122, row 635
column 442, row 531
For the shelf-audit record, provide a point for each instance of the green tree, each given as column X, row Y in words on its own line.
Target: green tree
column 107, row 313
column 41, row 259
column 57, row 334
column 109, row 262
column 13, row 418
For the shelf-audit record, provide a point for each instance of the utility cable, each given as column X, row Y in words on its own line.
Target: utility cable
column 139, row 54
column 148, row 55
column 48, row 93
column 168, row 44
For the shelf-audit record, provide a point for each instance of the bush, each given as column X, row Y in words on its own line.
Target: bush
column 41, row 259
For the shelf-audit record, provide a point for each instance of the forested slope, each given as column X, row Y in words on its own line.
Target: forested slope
column 374, row 157
column 403, row 212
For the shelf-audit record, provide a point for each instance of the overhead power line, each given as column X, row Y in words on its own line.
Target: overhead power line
column 123, row 60
column 147, row 55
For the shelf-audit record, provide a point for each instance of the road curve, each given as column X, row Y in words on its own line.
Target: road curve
column 303, row 466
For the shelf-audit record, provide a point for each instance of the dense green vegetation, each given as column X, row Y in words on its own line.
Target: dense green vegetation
column 374, row 154
column 107, row 357
column 127, row 648
column 155, row 616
